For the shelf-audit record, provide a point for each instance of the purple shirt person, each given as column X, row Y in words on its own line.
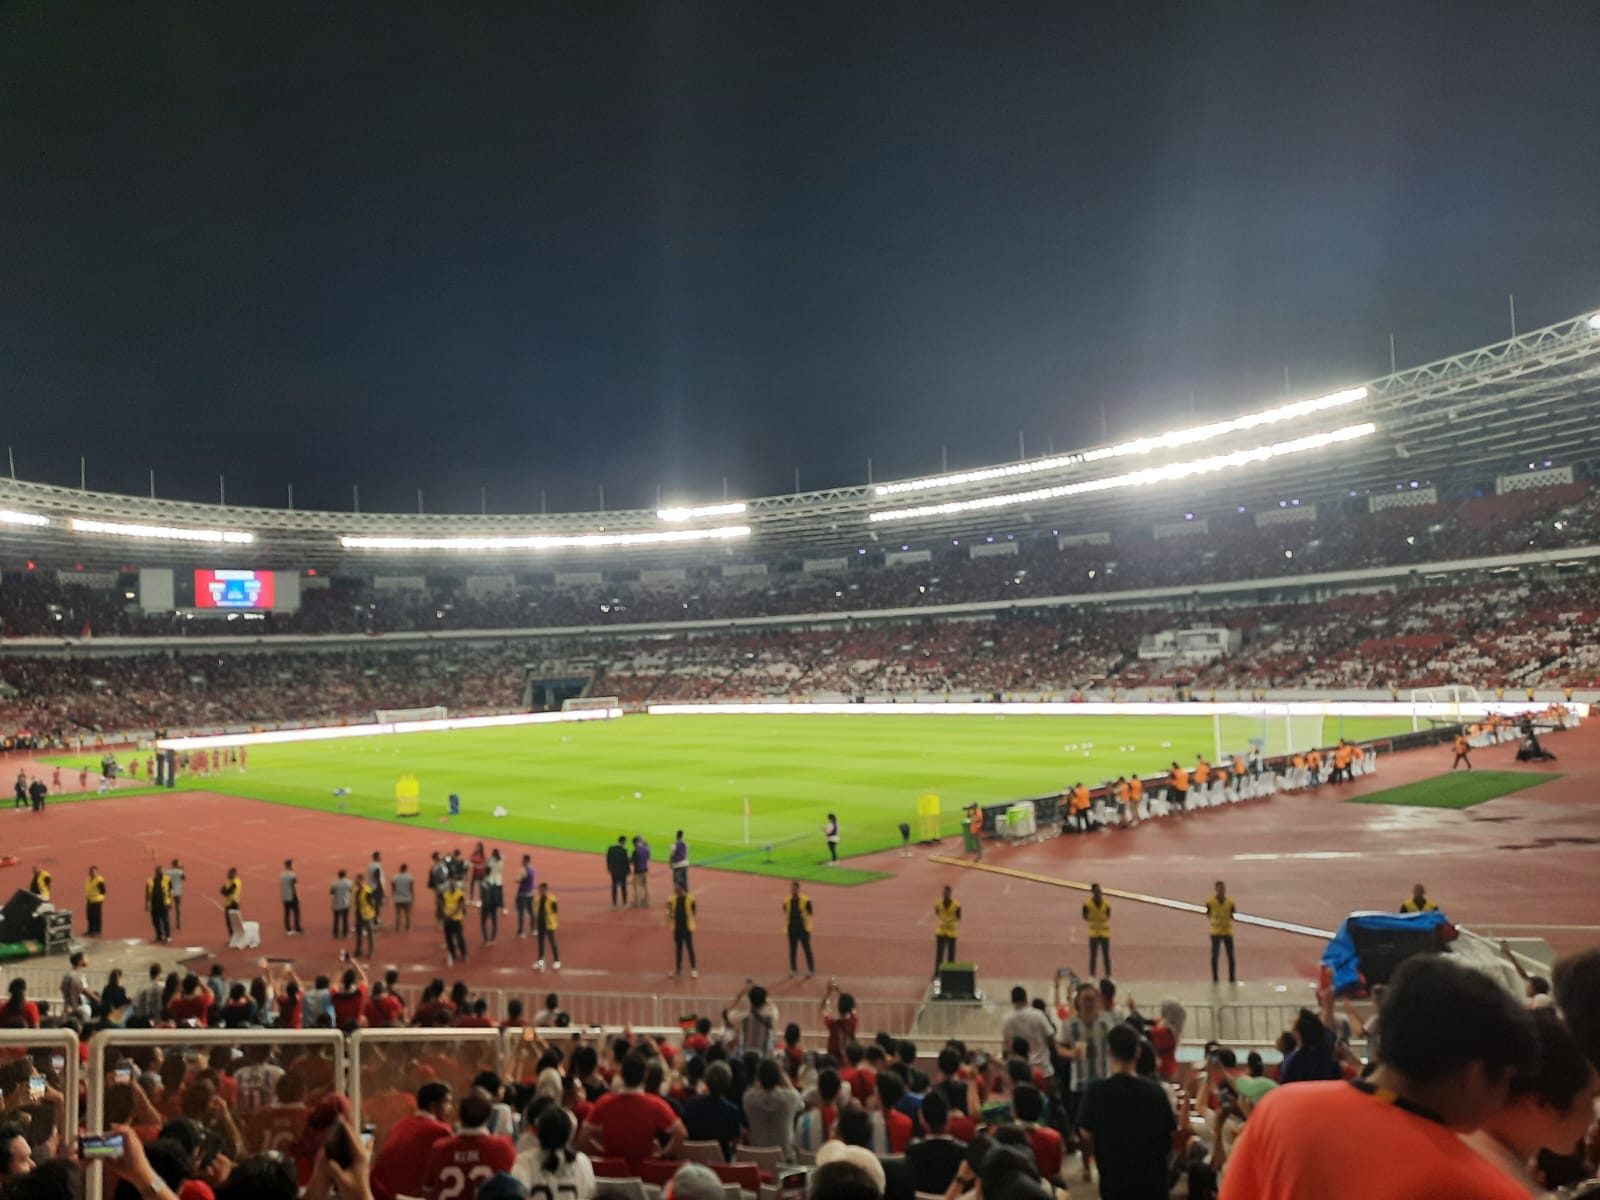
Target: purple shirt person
column 641, row 872
column 679, row 862
column 525, row 897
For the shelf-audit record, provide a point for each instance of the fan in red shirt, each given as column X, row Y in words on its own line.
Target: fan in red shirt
column 1027, row 1105
column 403, row 1161
column 896, row 1124
column 192, row 1003
column 384, row 1008
column 351, row 999
column 277, row 1126
column 458, row 1165
column 625, row 1124
column 862, row 1080
column 840, row 1018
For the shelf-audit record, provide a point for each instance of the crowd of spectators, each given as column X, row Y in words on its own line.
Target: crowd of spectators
column 1513, row 634
column 1454, row 1087
column 1225, row 547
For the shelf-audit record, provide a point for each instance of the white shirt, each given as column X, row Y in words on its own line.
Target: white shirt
column 1035, row 1028
column 569, row 1181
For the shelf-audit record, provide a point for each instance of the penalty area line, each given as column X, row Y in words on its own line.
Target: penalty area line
column 1137, row 897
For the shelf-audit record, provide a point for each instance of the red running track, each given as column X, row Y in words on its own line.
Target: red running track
column 1522, row 860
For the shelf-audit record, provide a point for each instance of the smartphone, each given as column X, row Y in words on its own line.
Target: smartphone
column 100, row 1145
column 369, row 1134
column 36, row 1086
column 340, row 1150
column 58, row 1063
column 792, row 1185
column 123, row 1074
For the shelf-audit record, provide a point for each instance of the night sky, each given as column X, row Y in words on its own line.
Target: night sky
column 544, row 245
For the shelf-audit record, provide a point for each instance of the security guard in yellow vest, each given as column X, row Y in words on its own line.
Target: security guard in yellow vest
column 546, row 916
column 797, row 922
column 680, row 911
column 158, row 903
column 1419, row 901
column 1219, row 913
column 947, row 910
column 366, row 915
column 1097, row 913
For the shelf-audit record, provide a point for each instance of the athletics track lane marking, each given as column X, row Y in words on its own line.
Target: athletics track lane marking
column 1138, row 897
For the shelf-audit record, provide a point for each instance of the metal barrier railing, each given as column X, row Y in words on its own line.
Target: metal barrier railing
column 112, row 1045
column 60, row 1051
column 449, row 1054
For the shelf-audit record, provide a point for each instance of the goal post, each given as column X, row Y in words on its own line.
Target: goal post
column 1443, row 705
column 589, row 703
column 1274, row 728
column 392, row 716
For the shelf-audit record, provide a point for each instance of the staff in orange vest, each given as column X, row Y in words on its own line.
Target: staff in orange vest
column 1179, row 787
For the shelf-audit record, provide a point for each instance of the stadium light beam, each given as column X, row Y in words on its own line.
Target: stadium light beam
column 1168, row 473
column 699, row 511
column 1164, row 441
column 10, row 517
column 167, row 533
column 549, row 541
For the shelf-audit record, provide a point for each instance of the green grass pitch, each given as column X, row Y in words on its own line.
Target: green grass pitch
column 576, row 786
column 1460, row 789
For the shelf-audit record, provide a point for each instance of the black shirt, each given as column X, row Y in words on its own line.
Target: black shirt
column 934, row 1162
column 617, row 862
column 1132, row 1123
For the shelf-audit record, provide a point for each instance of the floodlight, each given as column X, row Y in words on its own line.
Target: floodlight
column 1164, row 441
column 1172, row 471
column 693, row 513
column 547, row 541
column 166, row 533
column 8, row 517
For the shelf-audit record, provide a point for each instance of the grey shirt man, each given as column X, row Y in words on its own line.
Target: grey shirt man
column 340, row 891
column 403, row 886
column 1034, row 1027
column 177, row 875
column 286, row 886
column 771, row 1115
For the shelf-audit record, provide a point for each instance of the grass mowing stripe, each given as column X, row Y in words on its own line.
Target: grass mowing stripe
column 1462, row 789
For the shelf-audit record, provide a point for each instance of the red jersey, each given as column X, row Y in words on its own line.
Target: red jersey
column 841, row 1032
column 458, row 1165
column 291, row 1011
column 347, row 1008
column 1046, row 1145
column 629, row 1122
column 381, row 1010
column 403, row 1161
column 275, row 1128
column 898, row 1126
column 193, row 1007
column 863, row 1082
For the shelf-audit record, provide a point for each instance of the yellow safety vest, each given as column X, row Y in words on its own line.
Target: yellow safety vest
column 544, row 907
column 1221, row 914
column 688, row 917
column 805, row 911
column 949, row 914
column 1099, row 918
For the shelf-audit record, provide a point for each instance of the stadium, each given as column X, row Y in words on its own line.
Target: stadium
column 385, row 854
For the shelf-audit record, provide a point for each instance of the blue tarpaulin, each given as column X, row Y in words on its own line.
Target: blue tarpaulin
column 1341, row 958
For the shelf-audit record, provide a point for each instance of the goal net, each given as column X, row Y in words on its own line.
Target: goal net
column 582, row 703
column 1446, row 705
column 1272, row 730
column 390, row 716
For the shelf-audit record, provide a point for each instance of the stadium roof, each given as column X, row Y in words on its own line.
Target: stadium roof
column 1452, row 423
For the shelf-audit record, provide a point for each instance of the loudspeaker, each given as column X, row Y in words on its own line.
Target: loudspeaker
column 956, row 981
column 19, row 919
column 1382, row 950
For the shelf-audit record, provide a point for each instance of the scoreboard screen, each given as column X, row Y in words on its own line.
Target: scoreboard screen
column 234, row 589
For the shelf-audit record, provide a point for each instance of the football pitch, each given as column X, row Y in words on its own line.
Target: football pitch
column 578, row 785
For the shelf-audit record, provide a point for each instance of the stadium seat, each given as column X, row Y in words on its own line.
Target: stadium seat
column 767, row 1159
column 704, row 1152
